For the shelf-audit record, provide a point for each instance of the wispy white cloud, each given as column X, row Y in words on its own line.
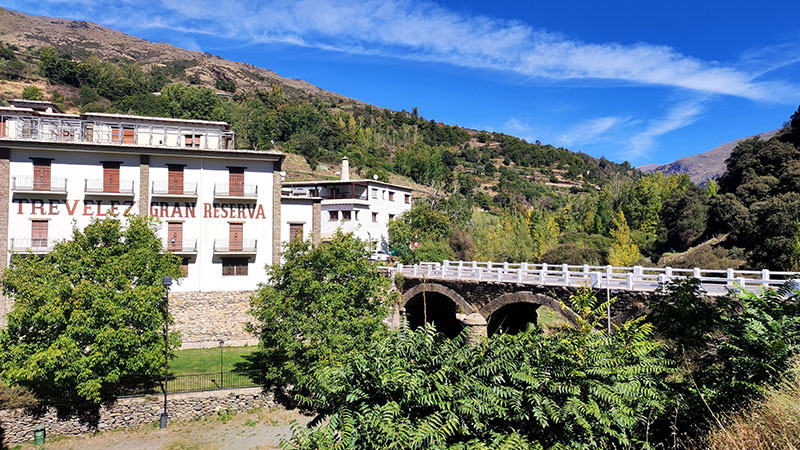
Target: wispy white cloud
column 425, row 31
column 593, row 130
column 679, row 116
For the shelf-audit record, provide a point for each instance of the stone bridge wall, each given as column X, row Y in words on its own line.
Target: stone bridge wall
column 485, row 297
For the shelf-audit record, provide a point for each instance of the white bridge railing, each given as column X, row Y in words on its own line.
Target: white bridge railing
column 636, row 278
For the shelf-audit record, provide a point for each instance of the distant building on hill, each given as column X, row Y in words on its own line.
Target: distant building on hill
column 362, row 207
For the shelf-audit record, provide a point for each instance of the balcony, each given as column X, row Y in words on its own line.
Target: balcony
column 224, row 247
column 163, row 189
column 187, row 247
column 31, row 185
column 36, row 246
column 225, row 191
column 98, row 188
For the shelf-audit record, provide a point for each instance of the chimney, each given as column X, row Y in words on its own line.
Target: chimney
column 345, row 169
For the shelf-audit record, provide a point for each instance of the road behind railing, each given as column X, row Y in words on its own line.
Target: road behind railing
column 636, row 278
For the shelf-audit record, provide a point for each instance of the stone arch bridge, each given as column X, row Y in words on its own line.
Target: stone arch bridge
column 490, row 297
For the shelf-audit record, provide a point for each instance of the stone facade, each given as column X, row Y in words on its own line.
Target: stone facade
column 16, row 426
column 486, row 297
column 203, row 318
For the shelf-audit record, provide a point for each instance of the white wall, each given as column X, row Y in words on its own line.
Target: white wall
column 296, row 211
column 205, row 269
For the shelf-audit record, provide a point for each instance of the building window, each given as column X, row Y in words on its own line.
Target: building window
column 346, row 216
column 41, row 174
column 174, row 236
column 38, row 234
column 185, row 266
column 236, row 181
column 408, row 199
column 391, row 196
column 128, row 135
column 110, row 176
column 236, row 237
column 295, row 231
column 355, row 215
column 191, row 140
column 175, row 179
column 333, row 216
column 234, row 266
column 374, row 217
column 391, row 217
column 375, row 194
column 383, row 195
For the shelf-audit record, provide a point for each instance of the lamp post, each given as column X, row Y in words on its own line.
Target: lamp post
column 221, row 384
column 167, row 282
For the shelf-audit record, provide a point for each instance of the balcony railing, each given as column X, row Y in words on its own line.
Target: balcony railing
column 165, row 189
column 24, row 245
column 31, row 184
column 236, row 191
column 185, row 247
column 110, row 132
column 246, row 246
column 125, row 187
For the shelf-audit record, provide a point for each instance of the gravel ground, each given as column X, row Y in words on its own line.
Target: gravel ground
column 252, row 430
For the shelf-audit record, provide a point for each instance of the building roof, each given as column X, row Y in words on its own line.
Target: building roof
column 156, row 119
column 36, row 105
column 340, row 182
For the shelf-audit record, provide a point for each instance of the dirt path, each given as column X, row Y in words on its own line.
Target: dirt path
column 252, row 430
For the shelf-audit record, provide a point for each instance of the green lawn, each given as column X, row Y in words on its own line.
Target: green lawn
column 205, row 360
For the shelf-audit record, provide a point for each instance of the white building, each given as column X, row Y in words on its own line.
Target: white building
column 220, row 208
column 363, row 207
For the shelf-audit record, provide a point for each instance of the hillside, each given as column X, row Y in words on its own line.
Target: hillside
column 704, row 166
column 80, row 39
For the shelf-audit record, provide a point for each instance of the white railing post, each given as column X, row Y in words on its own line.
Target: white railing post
column 585, row 270
column 565, row 270
column 696, row 272
column 729, row 280
column 637, row 272
column 630, row 281
column 543, row 274
column 460, row 268
column 480, row 274
column 662, row 278
column 765, row 278
column 415, row 270
column 668, row 273
column 499, row 274
column 608, row 275
column 445, row 264
column 505, row 266
column 428, row 271
column 522, row 269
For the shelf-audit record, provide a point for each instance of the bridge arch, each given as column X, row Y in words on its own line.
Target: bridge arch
column 437, row 304
column 514, row 310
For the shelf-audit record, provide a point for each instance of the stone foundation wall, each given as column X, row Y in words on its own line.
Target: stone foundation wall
column 16, row 426
column 203, row 318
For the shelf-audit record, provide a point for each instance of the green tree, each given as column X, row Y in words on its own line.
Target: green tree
column 684, row 218
column 430, row 227
column 321, row 304
column 88, row 317
column 32, row 93
column 624, row 252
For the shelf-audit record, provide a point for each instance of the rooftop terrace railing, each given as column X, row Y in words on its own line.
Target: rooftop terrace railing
column 113, row 133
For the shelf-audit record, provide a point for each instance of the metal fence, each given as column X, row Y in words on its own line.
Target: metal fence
column 197, row 382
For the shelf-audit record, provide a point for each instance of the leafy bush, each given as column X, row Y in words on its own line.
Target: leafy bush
column 415, row 389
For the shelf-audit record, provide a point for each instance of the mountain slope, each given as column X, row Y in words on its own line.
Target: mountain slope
column 83, row 38
column 703, row 166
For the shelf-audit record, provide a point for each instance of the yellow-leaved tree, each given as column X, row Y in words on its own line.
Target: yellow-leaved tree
column 624, row 252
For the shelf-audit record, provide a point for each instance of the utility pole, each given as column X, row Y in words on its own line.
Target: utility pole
column 167, row 282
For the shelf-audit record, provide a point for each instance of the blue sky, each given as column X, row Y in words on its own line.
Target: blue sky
column 647, row 82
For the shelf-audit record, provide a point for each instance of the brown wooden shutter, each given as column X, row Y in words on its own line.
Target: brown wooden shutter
column 236, row 236
column 241, row 267
column 41, row 174
column 38, row 234
column 2, row 127
column 175, row 178
column 236, row 179
column 110, row 177
column 228, row 267
column 185, row 267
column 115, row 134
column 295, row 230
column 175, row 236
column 128, row 135
column 187, row 140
